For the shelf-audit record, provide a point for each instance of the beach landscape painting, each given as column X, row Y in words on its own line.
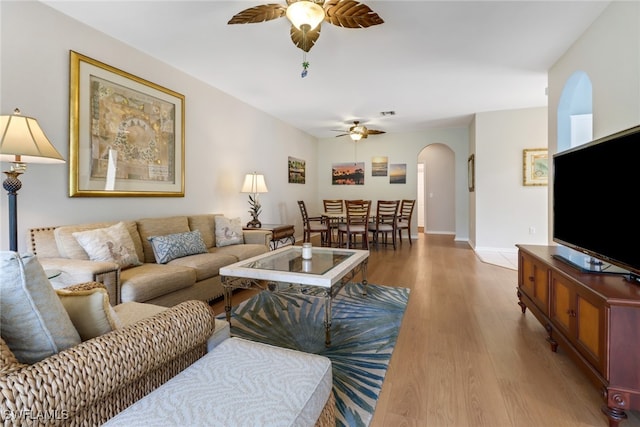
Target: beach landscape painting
column 398, row 173
column 351, row 173
column 379, row 166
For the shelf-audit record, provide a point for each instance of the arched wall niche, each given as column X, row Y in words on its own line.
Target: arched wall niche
column 575, row 112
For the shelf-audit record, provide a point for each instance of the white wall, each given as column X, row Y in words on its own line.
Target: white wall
column 225, row 138
column 609, row 52
column 400, row 148
column 505, row 209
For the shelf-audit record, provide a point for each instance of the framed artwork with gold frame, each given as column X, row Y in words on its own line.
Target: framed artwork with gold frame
column 126, row 134
column 535, row 166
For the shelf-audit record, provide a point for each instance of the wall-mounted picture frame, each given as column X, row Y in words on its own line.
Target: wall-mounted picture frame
column 471, row 173
column 351, row 173
column 398, row 173
column 296, row 170
column 126, row 134
column 379, row 166
column 535, row 167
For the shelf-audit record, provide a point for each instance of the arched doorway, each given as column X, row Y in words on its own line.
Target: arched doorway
column 436, row 201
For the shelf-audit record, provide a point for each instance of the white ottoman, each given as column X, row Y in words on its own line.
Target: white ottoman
column 239, row 383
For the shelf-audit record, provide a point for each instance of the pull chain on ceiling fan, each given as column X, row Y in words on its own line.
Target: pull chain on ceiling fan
column 307, row 15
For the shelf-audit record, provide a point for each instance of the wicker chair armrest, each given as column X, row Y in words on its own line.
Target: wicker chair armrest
column 82, row 375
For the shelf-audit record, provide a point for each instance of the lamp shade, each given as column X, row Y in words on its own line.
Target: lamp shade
column 304, row 12
column 254, row 183
column 23, row 141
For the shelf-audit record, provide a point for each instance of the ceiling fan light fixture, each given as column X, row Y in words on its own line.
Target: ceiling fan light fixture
column 357, row 132
column 305, row 12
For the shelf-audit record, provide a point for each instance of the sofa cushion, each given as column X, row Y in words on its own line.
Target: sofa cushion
column 33, row 322
column 172, row 246
column 241, row 252
column 131, row 312
column 205, row 224
column 228, row 231
column 149, row 227
column 90, row 311
column 149, row 281
column 69, row 247
column 113, row 244
column 206, row 265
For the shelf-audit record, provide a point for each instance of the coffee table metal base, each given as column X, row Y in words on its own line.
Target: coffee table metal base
column 230, row 283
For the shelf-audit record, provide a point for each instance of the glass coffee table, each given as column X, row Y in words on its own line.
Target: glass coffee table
column 284, row 271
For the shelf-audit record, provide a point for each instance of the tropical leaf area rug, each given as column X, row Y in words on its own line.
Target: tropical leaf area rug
column 364, row 331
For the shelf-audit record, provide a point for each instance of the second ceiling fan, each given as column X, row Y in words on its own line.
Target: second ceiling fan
column 358, row 131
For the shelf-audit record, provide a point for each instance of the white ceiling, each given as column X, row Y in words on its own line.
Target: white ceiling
column 435, row 63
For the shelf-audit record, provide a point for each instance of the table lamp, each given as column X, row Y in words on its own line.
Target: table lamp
column 254, row 184
column 22, row 141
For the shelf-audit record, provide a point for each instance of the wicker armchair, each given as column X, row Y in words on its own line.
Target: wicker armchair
column 93, row 381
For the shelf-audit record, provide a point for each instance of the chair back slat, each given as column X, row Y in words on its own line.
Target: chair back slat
column 358, row 212
column 333, row 206
column 406, row 210
column 404, row 218
column 387, row 211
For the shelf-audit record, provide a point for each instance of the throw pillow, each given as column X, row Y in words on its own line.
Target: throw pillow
column 113, row 244
column 172, row 246
column 33, row 322
column 89, row 311
column 228, row 231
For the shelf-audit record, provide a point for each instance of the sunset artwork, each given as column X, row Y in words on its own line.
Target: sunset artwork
column 351, row 173
column 398, row 173
column 379, row 166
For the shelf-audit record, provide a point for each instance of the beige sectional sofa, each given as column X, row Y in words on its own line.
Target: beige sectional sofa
column 185, row 278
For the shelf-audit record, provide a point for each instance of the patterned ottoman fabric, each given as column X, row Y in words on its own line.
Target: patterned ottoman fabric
column 239, row 383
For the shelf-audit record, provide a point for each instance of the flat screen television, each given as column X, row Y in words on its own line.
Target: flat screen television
column 595, row 188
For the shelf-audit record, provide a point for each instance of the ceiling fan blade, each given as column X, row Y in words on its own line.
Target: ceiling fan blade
column 262, row 13
column 350, row 14
column 375, row 132
column 344, row 134
column 308, row 41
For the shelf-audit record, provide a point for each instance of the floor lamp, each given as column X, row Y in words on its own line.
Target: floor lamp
column 22, row 141
column 254, row 184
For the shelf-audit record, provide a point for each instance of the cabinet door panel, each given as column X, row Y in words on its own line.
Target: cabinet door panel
column 591, row 331
column 561, row 305
column 527, row 276
column 534, row 281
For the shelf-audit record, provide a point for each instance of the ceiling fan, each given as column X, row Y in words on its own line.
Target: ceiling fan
column 307, row 15
column 358, row 131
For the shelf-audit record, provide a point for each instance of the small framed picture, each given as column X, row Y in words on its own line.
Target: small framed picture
column 297, row 170
column 535, row 166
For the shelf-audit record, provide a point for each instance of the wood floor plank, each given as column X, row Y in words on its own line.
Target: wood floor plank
column 466, row 355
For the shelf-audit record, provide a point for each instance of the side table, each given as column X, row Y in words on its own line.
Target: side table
column 281, row 234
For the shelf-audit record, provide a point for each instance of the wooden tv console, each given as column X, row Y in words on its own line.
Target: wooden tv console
column 595, row 318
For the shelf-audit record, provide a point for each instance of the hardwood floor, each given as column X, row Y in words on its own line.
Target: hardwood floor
column 466, row 355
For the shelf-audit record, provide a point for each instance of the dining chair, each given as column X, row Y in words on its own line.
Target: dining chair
column 334, row 209
column 404, row 218
column 385, row 222
column 314, row 224
column 356, row 224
